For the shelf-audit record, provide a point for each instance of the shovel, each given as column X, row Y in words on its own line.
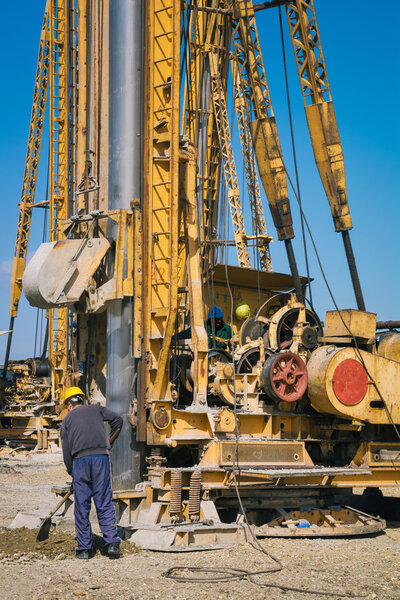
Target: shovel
column 44, row 529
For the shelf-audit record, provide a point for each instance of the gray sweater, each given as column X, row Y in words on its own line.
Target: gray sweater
column 83, row 432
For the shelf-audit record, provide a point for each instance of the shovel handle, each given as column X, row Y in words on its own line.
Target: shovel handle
column 114, row 435
column 63, row 499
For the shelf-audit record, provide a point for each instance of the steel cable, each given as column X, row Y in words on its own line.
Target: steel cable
column 294, row 153
column 44, row 235
column 231, row 574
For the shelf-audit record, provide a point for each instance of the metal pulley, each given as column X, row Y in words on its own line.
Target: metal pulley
column 283, row 322
column 248, row 360
column 252, row 329
column 182, row 365
column 309, row 338
column 39, row 367
column 285, row 377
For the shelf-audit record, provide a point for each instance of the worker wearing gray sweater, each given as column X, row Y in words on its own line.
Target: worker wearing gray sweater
column 86, row 447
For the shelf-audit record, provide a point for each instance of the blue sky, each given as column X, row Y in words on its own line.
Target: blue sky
column 360, row 43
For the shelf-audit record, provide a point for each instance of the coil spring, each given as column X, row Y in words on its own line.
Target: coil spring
column 175, row 505
column 194, row 496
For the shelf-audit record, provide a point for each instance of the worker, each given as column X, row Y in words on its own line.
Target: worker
column 86, row 447
column 217, row 329
column 219, row 333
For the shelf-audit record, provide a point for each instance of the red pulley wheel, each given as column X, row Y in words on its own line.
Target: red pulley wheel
column 285, row 377
column 350, row 382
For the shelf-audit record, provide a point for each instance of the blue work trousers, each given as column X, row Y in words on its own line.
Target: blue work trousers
column 92, row 479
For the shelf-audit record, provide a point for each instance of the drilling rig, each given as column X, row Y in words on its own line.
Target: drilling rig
column 271, row 425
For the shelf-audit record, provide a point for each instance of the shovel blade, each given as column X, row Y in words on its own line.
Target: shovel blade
column 44, row 530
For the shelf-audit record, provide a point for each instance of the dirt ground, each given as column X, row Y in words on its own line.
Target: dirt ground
column 364, row 567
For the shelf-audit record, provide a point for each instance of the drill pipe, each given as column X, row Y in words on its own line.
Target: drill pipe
column 125, row 131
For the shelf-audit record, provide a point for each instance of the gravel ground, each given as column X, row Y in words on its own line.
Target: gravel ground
column 363, row 567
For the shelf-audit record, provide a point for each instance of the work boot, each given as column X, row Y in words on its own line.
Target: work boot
column 85, row 554
column 114, row 551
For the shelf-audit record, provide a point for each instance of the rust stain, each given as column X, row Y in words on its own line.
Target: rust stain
column 202, row 370
column 60, row 244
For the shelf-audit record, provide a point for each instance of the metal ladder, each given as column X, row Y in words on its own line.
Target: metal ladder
column 58, row 318
column 163, row 184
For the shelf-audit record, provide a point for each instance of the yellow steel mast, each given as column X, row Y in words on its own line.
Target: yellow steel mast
column 228, row 162
column 58, row 318
column 198, row 124
column 319, row 108
column 160, row 196
column 251, row 71
column 30, row 175
column 249, row 164
column 264, row 131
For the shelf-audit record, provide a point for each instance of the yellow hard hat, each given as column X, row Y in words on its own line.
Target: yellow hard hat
column 73, row 391
column 242, row 311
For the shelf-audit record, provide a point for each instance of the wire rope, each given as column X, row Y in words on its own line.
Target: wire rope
column 231, row 574
column 44, row 235
column 294, row 153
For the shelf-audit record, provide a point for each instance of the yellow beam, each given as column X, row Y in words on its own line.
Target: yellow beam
column 58, row 318
column 319, row 109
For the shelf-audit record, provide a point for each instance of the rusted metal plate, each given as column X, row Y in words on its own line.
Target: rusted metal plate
column 350, row 382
